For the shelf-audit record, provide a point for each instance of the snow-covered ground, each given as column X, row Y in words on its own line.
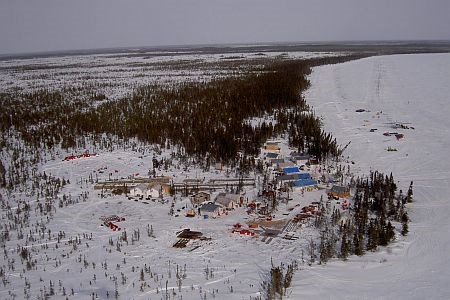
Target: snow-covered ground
column 228, row 266
column 116, row 75
column 407, row 89
column 412, row 89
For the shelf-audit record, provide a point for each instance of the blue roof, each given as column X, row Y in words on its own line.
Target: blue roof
column 304, row 182
column 291, row 170
column 304, row 176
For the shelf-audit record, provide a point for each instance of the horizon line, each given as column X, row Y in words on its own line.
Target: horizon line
column 134, row 49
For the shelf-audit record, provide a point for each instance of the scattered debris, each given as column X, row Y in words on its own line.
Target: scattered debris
column 196, row 247
column 190, row 213
column 290, row 237
column 112, row 218
column 189, row 234
column 72, row 157
column 111, row 226
column 399, row 136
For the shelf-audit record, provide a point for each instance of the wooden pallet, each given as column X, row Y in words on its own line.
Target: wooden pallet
column 181, row 243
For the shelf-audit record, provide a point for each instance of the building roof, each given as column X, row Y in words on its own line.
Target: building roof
column 142, row 186
column 209, row 207
column 285, row 164
column 161, row 179
column 300, row 157
column 277, row 160
column 304, row 182
column 157, row 187
column 299, row 154
column 290, row 170
column 202, row 194
column 272, row 155
column 289, row 177
column 225, row 199
column 200, row 197
column 193, row 180
column 304, row 176
column 339, row 189
column 272, row 147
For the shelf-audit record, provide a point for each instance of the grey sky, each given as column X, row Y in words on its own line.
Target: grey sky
column 41, row 25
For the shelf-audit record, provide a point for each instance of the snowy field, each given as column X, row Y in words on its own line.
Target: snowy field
column 411, row 89
column 117, row 75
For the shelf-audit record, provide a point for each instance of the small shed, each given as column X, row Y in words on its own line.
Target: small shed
column 166, row 189
column 154, row 191
column 313, row 161
column 339, row 191
column 272, row 146
column 140, row 190
column 200, row 197
column 228, row 201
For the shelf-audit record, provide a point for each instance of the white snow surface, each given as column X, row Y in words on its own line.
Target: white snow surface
column 406, row 88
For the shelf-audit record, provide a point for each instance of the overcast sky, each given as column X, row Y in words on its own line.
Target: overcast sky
column 42, row 25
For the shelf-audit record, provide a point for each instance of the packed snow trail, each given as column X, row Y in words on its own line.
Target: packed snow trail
column 411, row 89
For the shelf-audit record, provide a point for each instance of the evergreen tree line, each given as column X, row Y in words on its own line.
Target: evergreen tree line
column 376, row 206
column 278, row 281
column 205, row 119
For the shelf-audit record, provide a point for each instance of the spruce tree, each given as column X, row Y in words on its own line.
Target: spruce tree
column 344, row 246
column 358, row 242
column 390, row 234
column 409, row 194
column 405, row 220
column 383, row 238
